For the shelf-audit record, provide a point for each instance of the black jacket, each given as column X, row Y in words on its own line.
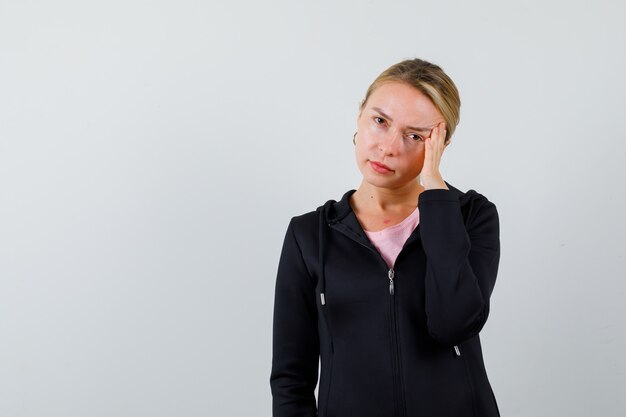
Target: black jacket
column 400, row 342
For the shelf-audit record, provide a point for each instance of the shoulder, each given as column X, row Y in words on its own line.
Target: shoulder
column 479, row 213
column 475, row 206
column 470, row 197
column 306, row 225
column 329, row 211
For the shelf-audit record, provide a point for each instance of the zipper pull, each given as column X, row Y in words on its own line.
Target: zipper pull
column 457, row 351
column 391, row 275
column 322, row 298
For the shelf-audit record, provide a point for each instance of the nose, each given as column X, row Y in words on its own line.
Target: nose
column 390, row 142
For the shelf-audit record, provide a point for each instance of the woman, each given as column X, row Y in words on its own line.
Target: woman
column 390, row 285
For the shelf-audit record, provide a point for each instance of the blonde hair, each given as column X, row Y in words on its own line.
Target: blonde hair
column 430, row 80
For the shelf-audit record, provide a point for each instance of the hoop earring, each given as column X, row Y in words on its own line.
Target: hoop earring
column 354, row 138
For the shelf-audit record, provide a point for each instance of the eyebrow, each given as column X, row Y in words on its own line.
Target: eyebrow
column 382, row 113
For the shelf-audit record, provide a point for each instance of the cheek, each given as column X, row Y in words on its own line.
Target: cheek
column 373, row 133
column 363, row 142
column 368, row 139
column 419, row 160
column 415, row 163
column 419, row 163
column 421, row 155
column 360, row 150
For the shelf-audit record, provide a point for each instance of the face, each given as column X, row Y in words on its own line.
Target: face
column 392, row 127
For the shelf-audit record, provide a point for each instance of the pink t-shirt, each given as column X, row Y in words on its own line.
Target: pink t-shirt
column 390, row 240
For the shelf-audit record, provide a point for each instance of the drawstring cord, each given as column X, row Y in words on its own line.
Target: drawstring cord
column 322, row 241
column 323, row 230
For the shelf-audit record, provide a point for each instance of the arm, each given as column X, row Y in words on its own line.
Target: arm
column 462, row 264
column 295, row 354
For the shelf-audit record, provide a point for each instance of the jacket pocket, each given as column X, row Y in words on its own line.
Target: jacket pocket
column 468, row 378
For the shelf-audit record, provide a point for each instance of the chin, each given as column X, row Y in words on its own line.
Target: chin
column 381, row 182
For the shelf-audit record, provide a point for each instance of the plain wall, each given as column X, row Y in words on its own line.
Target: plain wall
column 152, row 154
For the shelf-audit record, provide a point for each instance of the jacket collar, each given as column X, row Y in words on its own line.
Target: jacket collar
column 337, row 211
column 340, row 216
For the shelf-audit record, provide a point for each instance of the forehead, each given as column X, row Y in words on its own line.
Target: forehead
column 403, row 102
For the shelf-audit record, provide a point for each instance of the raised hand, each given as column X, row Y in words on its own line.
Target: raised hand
column 430, row 177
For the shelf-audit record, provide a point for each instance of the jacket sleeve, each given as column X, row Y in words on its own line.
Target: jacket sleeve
column 295, row 354
column 462, row 264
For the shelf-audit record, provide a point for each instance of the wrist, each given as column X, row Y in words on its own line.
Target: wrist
column 433, row 183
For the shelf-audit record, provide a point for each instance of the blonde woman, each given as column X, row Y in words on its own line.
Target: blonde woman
column 390, row 285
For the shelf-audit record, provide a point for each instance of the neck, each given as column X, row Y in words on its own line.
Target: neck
column 370, row 198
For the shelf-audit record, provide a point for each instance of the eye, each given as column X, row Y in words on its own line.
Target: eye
column 415, row 137
column 379, row 120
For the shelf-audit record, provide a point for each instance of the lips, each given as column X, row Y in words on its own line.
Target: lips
column 381, row 168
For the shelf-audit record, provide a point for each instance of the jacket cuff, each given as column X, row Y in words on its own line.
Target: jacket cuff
column 437, row 194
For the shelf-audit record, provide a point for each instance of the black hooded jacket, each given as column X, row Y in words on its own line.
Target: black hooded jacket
column 400, row 342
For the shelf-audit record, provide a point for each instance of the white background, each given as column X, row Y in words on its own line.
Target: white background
column 153, row 152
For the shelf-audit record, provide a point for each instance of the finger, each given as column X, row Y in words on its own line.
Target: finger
column 439, row 138
column 430, row 151
column 431, row 145
column 442, row 132
column 434, row 134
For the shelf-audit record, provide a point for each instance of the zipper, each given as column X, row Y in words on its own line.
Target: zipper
column 457, row 351
column 399, row 391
